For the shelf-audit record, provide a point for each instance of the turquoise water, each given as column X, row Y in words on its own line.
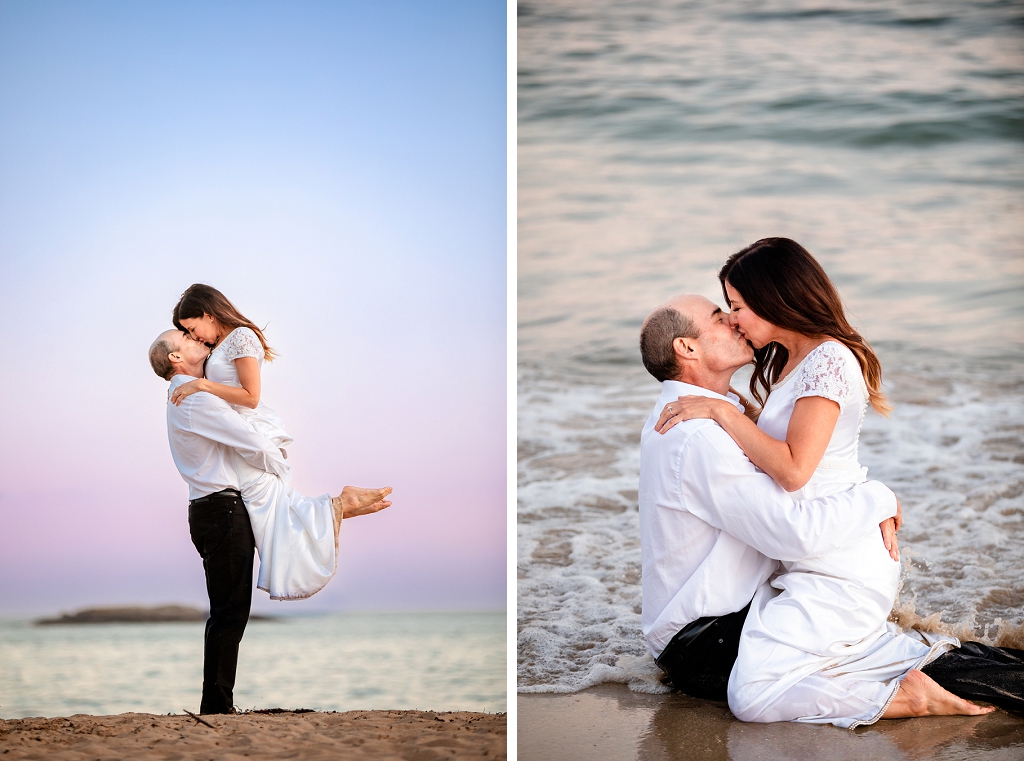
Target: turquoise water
column 429, row 661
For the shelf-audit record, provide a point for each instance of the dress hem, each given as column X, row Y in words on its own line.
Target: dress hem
column 881, row 711
column 337, row 554
column 924, row 661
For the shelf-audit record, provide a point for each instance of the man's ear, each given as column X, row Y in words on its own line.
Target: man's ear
column 174, row 357
column 685, row 348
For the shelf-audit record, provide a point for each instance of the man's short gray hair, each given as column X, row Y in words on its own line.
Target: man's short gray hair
column 660, row 330
column 158, row 359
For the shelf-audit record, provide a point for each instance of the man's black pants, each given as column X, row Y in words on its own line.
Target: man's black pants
column 699, row 658
column 222, row 533
column 979, row 672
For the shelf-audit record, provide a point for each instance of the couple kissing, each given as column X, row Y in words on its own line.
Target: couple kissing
column 770, row 562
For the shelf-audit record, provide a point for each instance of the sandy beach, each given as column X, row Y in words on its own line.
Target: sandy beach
column 610, row 723
column 409, row 735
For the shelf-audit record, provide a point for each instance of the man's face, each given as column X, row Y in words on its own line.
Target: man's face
column 192, row 352
column 721, row 345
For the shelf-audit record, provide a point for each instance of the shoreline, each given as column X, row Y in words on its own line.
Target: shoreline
column 609, row 722
column 425, row 735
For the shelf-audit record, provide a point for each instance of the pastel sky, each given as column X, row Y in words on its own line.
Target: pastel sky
column 337, row 169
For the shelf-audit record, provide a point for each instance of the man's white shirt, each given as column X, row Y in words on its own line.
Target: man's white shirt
column 712, row 525
column 204, row 433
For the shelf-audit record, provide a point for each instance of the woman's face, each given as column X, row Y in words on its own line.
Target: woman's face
column 206, row 328
column 755, row 329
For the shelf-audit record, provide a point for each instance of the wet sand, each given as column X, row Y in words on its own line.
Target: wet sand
column 412, row 735
column 610, row 723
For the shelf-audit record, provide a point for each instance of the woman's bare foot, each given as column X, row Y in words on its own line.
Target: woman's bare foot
column 920, row 695
column 356, row 497
column 337, row 509
column 354, row 501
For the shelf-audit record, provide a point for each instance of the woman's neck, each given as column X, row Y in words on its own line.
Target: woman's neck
column 798, row 345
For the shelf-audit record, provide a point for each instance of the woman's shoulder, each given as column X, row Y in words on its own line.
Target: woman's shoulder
column 242, row 342
column 831, row 351
column 830, row 370
column 242, row 333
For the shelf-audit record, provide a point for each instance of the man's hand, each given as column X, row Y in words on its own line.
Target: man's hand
column 889, row 528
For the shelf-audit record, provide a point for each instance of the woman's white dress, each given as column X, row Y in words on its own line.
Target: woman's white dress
column 294, row 533
column 816, row 646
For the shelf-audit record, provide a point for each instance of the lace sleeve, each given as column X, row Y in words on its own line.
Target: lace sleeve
column 242, row 342
column 826, row 373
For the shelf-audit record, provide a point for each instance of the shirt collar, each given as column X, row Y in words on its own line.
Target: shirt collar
column 180, row 378
column 671, row 390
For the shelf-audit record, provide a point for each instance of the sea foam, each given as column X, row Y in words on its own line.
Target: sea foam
column 951, row 451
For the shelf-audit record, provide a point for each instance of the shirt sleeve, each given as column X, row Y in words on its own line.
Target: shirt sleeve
column 825, row 373
column 722, row 487
column 242, row 342
column 214, row 419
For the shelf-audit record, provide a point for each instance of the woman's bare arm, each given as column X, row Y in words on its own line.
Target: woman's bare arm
column 750, row 409
column 247, row 396
column 790, row 463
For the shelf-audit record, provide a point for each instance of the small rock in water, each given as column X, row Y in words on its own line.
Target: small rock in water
column 134, row 614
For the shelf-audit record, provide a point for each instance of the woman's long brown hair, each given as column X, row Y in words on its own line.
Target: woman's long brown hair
column 200, row 299
column 782, row 283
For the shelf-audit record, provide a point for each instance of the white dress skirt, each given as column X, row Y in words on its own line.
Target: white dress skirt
column 816, row 646
column 294, row 533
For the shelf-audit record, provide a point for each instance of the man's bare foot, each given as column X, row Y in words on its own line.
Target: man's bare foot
column 920, row 695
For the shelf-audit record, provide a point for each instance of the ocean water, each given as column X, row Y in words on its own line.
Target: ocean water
column 451, row 661
column 656, row 139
